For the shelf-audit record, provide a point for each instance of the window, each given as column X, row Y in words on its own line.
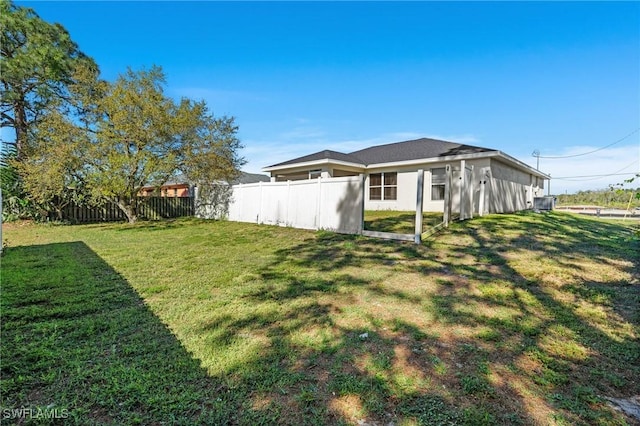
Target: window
column 383, row 186
column 314, row 174
column 438, row 177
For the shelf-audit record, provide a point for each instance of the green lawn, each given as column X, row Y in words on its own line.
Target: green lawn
column 399, row 222
column 507, row 319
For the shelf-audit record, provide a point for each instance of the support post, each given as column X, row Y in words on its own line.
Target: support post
column 471, row 190
column 463, row 189
column 481, row 199
column 260, row 217
column 196, row 193
column 318, row 224
column 419, row 197
column 447, row 196
column 363, row 178
column 489, row 191
column 288, row 205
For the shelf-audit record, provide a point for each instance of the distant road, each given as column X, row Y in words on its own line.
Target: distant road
column 607, row 213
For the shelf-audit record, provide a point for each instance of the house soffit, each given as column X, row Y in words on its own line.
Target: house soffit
column 313, row 165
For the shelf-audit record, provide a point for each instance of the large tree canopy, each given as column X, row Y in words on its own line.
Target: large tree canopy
column 79, row 136
column 130, row 135
column 38, row 63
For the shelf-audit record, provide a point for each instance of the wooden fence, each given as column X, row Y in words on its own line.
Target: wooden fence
column 152, row 208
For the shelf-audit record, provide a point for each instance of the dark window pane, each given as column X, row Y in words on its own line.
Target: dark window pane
column 437, row 192
column 375, row 179
column 390, row 179
column 390, row 192
column 375, row 193
column 438, row 175
column 314, row 174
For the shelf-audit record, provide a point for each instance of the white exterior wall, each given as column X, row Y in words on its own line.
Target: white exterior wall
column 326, row 203
column 407, row 186
column 511, row 190
column 506, row 196
column 493, row 186
column 407, row 191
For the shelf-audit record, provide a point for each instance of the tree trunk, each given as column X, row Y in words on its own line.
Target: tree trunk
column 21, row 127
column 129, row 209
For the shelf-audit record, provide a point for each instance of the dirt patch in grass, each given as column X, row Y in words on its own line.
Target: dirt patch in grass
column 629, row 406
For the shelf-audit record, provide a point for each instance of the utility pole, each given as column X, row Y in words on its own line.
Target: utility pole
column 536, row 154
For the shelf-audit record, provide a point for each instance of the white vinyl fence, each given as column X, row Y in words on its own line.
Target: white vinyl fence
column 337, row 204
column 334, row 204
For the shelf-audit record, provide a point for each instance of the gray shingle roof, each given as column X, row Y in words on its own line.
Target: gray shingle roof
column 414, row 150
column 251, row 178
column 321, row 155
column 392, row 152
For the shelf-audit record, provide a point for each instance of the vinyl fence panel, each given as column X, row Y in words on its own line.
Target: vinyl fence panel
column 334, row 204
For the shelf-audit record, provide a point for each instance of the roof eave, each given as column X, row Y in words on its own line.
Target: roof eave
column 487, row 154
column 525, row 167
column 434, row 160
column 321, row 162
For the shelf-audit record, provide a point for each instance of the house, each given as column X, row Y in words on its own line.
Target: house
column 182, row 188
column 169, row 189
column 246, row 177
column 495, row 181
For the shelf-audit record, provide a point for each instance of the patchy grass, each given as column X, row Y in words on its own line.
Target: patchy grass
column 509, row 319
column 399, row 222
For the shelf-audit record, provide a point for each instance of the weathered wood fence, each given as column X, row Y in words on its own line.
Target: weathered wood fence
column 152, row 208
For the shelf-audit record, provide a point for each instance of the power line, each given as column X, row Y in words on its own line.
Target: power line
column 536, row 153
column 595, row 177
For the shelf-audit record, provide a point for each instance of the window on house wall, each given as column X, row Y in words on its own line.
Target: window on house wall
column 293, row 176
column 438, row 177
column 343, row 173
column 383, row 186
column 314, row 174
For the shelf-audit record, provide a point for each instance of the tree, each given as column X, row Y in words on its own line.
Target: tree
column 15, row 202
column 620, row 187
column 212, row 162
column 637, row 176
column 141, row 137
column 38, row 63
column 52, row 172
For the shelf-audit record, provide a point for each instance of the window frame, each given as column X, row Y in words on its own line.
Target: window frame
column 438, row 183
column 383, row 186
column 315, row 173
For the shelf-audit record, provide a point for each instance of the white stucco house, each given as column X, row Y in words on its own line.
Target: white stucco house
column 496, row 182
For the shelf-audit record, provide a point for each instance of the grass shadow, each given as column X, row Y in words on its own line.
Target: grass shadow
column 492, row 328
column 509, row 319
column 555, row 305
column 399, row 222
column 78, row 339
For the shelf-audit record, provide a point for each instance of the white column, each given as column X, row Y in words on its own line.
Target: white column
column 419, row 202
column 446, row 218
column 463, row 188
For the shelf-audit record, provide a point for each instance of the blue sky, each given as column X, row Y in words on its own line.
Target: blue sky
column 563, row 78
